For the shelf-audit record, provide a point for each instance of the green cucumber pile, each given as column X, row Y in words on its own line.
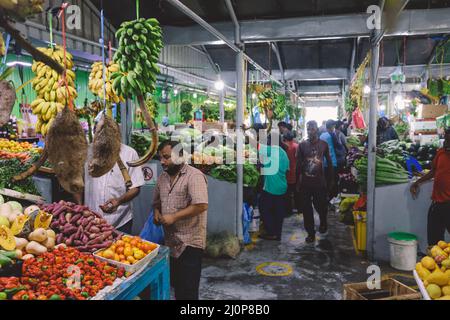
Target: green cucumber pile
column 140, row 43
column 387, row 172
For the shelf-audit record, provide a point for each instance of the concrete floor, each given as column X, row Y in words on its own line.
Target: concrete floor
column 317, row 272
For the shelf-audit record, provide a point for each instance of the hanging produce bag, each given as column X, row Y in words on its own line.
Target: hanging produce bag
column 247, row 216
column 151, row 232
column 358, row 119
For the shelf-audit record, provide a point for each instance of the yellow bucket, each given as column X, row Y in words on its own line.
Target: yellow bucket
column 360, row 229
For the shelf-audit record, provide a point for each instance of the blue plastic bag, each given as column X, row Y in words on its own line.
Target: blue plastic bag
column 151, row 232
column 247, row 215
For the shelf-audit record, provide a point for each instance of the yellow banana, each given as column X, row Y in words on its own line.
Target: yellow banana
column 45, row 107
column 35, row 103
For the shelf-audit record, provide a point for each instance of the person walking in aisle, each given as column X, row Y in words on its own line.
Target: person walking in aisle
column 341, row 146
column 330, row 138
column 180, row 204
column 311, row 182
column 272, row 203
column 291, row 176
column 439, row 213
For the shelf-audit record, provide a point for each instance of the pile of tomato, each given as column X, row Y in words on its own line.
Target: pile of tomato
column 64, row 273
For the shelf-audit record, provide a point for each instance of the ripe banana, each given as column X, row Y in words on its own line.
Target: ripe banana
column 51, row 89
column 96, row 81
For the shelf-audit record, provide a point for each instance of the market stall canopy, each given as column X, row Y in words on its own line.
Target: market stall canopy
column 315, row 40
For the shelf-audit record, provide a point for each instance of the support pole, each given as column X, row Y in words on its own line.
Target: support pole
column 221, row 106
column 371, row 171
column 240, row 101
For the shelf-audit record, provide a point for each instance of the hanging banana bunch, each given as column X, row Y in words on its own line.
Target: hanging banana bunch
column 52, row 93
column 140, row 43
column 2, row 46
column 22, row 9
column 96, row 82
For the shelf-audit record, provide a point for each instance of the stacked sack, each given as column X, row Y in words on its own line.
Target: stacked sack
column 96, row 81
column 52, row 92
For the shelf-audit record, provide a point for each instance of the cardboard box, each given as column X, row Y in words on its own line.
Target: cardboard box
column 431, row 111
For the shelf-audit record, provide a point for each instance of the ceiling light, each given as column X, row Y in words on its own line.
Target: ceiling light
column 219, row 85
column 382, row 107
column 18, row 63
column 254, row 96
column 366, row 89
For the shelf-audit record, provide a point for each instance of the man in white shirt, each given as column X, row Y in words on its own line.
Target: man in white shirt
column 108, row 195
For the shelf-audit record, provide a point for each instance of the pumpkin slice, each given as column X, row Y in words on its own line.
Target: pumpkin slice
column 18, row 224
column 7, row 241
column 42, row 220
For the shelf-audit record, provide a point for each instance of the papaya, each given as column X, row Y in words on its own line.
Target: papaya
column 438, row 277
column 442, row 244
column 422, row 271
column 436, row 251
column 428, row 263
column 434, row 291
column 447, row 297
column 446, row 290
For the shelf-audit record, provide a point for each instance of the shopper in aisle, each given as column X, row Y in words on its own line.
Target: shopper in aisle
column 291, row 176
column 108, row 195
column 385, row 131
column 284, row 127
column 439, row 213
column 323, row 128
column 180, row 204
column 333, row 144
column 311, row 182
column 272, row 203
column 340, row 146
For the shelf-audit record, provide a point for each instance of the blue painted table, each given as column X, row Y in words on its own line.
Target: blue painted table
column 155, row 277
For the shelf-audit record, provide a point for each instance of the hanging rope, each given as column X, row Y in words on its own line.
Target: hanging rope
column 50, row 26
column 64, row 78
column 137, row 9
column 102, row 42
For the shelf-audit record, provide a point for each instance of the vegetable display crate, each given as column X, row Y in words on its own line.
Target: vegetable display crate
column 421, row 286
column 133, row 267
column 391, row 289
column 155, row 276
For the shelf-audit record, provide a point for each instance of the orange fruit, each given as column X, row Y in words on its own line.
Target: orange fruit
column 120, row 250
column 120, row 243
column 113, row 248
column 139, row 254
column 108, row 254
column 127, row 252
column 116, row 257
column 133, row 243
column 131, row 259
column 126, row 262
column 100, row 254
column 152, row 246
column 126, row 239
column 122, row 257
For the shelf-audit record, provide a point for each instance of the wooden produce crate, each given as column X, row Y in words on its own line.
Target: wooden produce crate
column 391, row 289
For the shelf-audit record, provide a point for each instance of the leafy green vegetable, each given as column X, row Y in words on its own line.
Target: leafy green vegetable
column 228, row 173
column 10, row 168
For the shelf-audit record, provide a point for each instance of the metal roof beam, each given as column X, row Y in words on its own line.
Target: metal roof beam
column 409, row 22
column 280, row 64
column 237, row 27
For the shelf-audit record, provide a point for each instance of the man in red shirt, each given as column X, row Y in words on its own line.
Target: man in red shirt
column 291, row 176
column 439, row 213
